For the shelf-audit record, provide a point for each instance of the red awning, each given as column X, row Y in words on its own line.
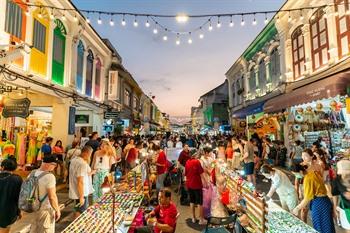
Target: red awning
column 325, row 88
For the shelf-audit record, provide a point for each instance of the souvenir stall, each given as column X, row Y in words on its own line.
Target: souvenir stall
column 255, row 214
column 119, row 206
column 264, row 125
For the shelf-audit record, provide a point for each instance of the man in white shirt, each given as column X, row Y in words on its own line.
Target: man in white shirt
column 43, row 220
column 80, row 182
column 282, row 186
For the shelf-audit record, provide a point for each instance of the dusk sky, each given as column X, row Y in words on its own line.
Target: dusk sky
column 179, row 74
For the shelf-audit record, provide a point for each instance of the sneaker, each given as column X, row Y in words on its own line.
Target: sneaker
column 202, row 222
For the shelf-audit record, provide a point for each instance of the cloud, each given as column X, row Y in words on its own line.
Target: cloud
column 160, row 83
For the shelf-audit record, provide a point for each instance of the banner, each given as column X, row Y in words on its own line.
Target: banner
column 113, row 85
column 16, row 108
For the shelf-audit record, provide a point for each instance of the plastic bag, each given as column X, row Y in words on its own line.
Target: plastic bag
column 207, row 197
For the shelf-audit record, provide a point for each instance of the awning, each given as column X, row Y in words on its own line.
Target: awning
column 249, row 110
column 325, row 88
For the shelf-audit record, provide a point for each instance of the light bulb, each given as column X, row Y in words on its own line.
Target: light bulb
column 52, row 16
column 201, row 36
column 254, row 22
column 40, row 15
column 136, row 23
column 147, row 24
column 347, row 12
column 190, row 41
column 210, row 27
column 75, row 18
column 218, row 24
column 63, row 17
column 242, row 22
column 155, row 31
column 123, row 22
column 88, row 20
column 111, row 22
column 289, row 19
column 27, row 12
column 266, row 21
column 231, row 24
column 99, row 21
column 301, row 17
column 313, row 17
column 177, row 41
column 165, row 38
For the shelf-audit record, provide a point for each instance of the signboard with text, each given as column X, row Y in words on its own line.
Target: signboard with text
column 113, row 85
column 16, row 108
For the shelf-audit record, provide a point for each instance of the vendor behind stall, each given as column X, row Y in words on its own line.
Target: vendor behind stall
column 282, row 186
column 163, row 217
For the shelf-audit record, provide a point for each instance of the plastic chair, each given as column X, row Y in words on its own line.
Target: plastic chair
column 220, row 225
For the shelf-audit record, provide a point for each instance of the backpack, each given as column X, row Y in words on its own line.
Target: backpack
column 29, row 200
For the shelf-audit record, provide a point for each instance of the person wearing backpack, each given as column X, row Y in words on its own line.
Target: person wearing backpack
column 39, row 200
column 10, row 186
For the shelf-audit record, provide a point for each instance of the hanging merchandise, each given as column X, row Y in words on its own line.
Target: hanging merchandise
column 21, row 148
column 8, row 150
column 32, row 148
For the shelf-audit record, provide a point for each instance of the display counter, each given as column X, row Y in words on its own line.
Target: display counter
column 98, row 217
column 263, row 217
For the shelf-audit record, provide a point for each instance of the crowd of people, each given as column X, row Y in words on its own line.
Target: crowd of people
column 85, row 164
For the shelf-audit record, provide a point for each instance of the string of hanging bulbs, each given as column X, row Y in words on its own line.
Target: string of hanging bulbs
column 153, row 20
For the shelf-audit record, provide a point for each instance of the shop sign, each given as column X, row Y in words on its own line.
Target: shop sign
column 111, row 115
column 316, row 92
column 71, row 121
column 120, row 122
column 82, row 119
column 16, row 108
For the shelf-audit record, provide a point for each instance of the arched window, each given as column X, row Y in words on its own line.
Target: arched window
column 234, row 93
column 41, row 27
column 298, row 52
column 15, row 23
column 89, row 72
column 319, row 39
column 80, row 66
column 252, row 80
column 58, row 52
column 98, row 79
column 262, row 75
column 275, row 69
column 343, row 27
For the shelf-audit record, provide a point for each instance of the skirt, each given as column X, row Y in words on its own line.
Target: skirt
column 99, row 178
column 321, row 213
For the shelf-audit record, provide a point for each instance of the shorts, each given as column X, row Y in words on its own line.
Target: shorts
column 249, row 168
column 196, row 196
column 82, row 208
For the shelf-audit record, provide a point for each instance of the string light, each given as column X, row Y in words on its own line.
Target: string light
column 63, row 17
column 99, row 21
column 289, row 17
column 231, row 22
column 190, row 39
column 135, row 22
column 301, row 15
column 313, row 17
column 147, row 24
column 155, row 30
column 88, row 19
column 201, row 35
column 242, row 21
column 266, row 19
column 210, row 26
column 40, row 15
column 123, row 21
column 218, row 25
column 75, row 18
column 111, row 21
column 278, row 19
column 52, row 17
column 27, row 12
column 165, row 38
column 254, row 21
column 178, row 39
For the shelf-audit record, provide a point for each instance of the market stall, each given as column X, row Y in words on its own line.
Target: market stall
column 98, row 217
column 262, row 216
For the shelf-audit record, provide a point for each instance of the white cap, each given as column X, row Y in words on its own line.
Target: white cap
column 343, row 167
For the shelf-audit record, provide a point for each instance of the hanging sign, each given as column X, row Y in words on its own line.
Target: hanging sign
column 111, row 114
column 16, row 108
column 113, row 85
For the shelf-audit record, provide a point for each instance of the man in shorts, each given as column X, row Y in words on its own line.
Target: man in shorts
column 193, row 173
column 248, row 158
column 80, row 183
